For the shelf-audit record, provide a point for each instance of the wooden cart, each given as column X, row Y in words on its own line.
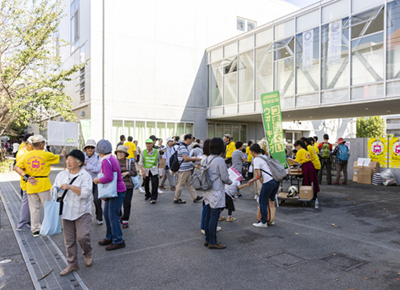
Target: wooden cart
column 294, row 176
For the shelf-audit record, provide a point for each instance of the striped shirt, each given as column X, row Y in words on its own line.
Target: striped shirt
column 183, row 151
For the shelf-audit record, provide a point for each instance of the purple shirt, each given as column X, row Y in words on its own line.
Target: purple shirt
column 108, row 171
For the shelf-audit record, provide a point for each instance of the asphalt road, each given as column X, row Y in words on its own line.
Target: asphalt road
column 350, row 242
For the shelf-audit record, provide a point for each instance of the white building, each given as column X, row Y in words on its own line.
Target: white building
column 147, row 71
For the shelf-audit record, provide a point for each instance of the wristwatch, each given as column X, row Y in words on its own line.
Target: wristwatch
column 25, row 177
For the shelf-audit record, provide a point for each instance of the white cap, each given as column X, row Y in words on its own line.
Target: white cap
column 29, row 140
column 38, row 139
column 170, row 139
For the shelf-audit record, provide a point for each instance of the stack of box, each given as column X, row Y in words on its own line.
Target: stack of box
column 363, row 169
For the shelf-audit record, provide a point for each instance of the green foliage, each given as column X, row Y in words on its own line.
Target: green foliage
column 370, row 127
column 31, row 78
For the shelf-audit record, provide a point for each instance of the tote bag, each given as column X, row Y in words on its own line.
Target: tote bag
column 135, row 179
column 51, row 222
column 108, row 190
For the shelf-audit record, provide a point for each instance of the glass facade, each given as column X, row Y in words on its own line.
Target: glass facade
column 238, row 131
column 141, row 130
column 344, row 51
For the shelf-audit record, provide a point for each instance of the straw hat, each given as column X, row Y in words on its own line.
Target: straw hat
column 122, row 148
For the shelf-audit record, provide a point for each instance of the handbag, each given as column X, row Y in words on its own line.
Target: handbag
column 108, row 190
column 60, row 199
column 51, row 223
column 135, row 179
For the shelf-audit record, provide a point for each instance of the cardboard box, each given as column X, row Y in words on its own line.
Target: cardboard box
column 306, row 192
column 355, row 171
column 364, row 175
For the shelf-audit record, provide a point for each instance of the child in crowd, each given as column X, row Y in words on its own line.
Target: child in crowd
column 230, row 191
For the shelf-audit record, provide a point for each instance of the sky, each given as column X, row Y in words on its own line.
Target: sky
column 302, row 3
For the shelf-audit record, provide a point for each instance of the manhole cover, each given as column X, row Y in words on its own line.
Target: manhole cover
column 284, row 260
column 342, row 261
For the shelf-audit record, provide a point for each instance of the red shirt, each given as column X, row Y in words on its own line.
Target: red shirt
column 321, row 144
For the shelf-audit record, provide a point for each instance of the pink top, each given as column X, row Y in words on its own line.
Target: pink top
column 108, row 171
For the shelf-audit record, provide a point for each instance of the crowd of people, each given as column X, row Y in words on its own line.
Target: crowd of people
column 96, row 166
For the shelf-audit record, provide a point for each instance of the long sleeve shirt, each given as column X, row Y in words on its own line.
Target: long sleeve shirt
column 108, row 170
column 75, row 205
column 124, row 164
column 93, row 165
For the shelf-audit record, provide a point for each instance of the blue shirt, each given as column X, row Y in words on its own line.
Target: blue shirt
column 93, row 165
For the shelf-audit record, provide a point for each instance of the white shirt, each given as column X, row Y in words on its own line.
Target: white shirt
column 15, row 147
column 259, row 163
column 231, row 189
column 75, row 205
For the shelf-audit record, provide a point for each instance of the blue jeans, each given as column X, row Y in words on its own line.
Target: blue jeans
column 210, row 224
column 268, row 191
column 203, row 216
column 112, row 208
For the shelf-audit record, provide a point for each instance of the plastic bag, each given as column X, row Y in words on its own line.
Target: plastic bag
column 51, row 222
column 388, row 177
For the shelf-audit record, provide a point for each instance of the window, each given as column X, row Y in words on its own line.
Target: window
column 215, row 92
column 246, row 79
column 263, row 71
column 81, row 83
column 238, row 131
column 393, row 40
column 74, row 25
column 244, row 24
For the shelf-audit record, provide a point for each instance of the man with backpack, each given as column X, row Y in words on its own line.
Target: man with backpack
column 182, row 163
column 342, row 154
column 325, row 150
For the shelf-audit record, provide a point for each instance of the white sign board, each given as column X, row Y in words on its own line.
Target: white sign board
column 63, row 133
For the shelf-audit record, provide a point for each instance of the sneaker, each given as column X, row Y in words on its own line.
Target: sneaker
column 260, row 225
column 125, row 225
column 344, row 183
column 179, row 201
column 203, row 232
column 36, row 234
column 173, row 188
column 336, row 183
column 24, row 228
column 231, row 219
column 161, row 187
column 99, row 222
column 197, row 199
column 272, row 223
column 222, row 218
column 141, row 189
column 146, row 198
column 153, row 201
column 218, row 229
column 160, row 191
column 239, row 195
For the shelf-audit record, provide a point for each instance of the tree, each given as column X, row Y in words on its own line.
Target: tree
column 370, row 127
column 31, row 78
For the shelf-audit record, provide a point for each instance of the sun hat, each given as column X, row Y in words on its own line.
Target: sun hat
column 38, row 139
column 170, row 140
column 149, row 141
column 90, row 143
column 103, row 147
column 77, row 154
column 228, row 135
column 340, row 141
column 122, row 148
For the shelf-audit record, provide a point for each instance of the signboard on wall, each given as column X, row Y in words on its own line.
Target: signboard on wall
column 394, row 152
column 272, row 120
column 63, row 133
column 378, row 150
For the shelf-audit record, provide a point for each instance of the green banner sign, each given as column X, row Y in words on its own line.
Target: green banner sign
column 272, row 118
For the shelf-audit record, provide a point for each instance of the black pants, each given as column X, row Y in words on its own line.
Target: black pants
column 127, row 204
column 97, row 203
column 154, row 186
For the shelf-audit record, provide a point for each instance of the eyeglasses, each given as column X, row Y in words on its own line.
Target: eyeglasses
column 89, row 147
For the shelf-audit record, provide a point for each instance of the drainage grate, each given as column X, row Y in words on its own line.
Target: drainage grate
column 284, row 260
column 343, row 261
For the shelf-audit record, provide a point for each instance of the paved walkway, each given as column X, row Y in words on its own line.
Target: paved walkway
column 350, row 242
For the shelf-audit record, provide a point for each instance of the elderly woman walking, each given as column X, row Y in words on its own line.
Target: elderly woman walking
column 127, row 171
column 214, row 199
column 112, row 206
column 76, row 216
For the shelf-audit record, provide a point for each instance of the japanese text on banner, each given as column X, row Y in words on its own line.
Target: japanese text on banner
column 272, row 118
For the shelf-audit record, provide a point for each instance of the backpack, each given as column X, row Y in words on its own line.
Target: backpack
column 201, row 174
column 325, row 151
column 343, row 152
column 174, row 163
column 277, row 169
